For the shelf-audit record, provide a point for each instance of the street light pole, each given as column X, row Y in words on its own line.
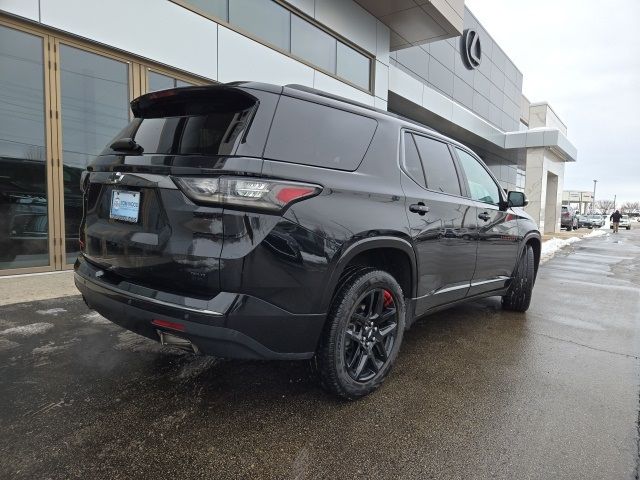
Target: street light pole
column 593, row 199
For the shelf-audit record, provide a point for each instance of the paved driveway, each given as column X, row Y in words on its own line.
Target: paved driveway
column 477, row 393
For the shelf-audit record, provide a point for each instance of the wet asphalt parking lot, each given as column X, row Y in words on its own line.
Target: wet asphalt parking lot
column 476, row 393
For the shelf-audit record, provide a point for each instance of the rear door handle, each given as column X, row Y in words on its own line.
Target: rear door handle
column 484, row 216
column 419, row 208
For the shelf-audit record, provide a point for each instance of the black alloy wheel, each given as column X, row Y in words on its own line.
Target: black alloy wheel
column 363, row 333
column 370, row 334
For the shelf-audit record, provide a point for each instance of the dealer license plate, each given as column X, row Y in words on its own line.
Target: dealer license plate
column 125, row 205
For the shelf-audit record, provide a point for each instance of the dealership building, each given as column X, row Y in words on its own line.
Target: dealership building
column 68, row 69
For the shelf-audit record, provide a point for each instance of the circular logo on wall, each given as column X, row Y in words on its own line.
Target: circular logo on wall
column 470, row 49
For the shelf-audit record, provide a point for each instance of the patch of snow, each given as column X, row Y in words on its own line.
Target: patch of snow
column 551, row 246
column 96, row 319
column 7, row 344
column 51, row 347
column 28, row 330
column 51, row 311
column 6, row 323
column 597, row 233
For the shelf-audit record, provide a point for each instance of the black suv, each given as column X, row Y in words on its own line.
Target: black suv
column 248, row 220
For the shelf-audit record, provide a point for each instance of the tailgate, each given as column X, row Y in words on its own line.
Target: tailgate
column 141, row 227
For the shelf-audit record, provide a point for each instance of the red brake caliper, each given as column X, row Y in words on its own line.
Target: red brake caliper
column 387, row 299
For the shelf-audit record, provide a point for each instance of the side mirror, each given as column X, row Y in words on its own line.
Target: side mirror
column 126, row 145
column 517, row 199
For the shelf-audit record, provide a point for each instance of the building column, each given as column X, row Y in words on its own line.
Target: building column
column 543, row 187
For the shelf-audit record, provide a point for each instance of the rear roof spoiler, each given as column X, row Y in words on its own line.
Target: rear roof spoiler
column 197, row 100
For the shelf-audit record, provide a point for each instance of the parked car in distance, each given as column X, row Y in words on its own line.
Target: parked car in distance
column 569, row 218
column 583, row 221
column 249, row 220
column 597, row 221
column 625, row 222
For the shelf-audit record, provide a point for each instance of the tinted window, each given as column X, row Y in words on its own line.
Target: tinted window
column 312, row 134
column 217, row 132
column 411, row 160
column 438, row 165
column 267, row 20
column 312, row 44
column 217, row 8
column 353, row 66
column 481, row 185
column 158, row 81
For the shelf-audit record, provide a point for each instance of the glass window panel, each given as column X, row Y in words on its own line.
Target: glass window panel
column 353, row 66
column 411, row 160
column 94, row 107
column 24, row 225
column 481, row 185
column 312, row 44
column 217, row 8
column 438, row 165
column 311, row 134
column 158, row 81
column 264, row 19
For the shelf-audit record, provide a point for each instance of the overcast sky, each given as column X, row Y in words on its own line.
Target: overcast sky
column 583, row 57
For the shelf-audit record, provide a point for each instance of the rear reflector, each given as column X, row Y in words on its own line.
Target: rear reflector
column 289, row 194
column 167, row 324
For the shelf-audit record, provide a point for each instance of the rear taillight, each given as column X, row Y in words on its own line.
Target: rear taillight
column 245, row 192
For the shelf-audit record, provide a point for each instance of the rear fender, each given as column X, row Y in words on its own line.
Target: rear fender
column 364, row 245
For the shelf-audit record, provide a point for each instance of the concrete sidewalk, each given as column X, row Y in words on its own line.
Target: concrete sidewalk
column 37, row 286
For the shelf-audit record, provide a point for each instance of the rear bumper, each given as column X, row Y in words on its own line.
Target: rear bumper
column 230, row 325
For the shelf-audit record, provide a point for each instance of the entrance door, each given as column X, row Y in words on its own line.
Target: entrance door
column 25, row 157
column 94, row 107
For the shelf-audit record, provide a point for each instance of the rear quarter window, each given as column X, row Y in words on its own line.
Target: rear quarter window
column 312, row 134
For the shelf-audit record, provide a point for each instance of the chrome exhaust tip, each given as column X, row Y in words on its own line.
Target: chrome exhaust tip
column 170, row 340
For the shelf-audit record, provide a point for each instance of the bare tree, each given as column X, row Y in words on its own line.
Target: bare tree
column 605, row 205
column 630, row 207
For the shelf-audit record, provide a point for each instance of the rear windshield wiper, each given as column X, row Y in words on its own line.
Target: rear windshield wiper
column 126, row 145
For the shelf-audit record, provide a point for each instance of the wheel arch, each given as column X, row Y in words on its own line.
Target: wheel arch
column 534, row 240
column 389, row 248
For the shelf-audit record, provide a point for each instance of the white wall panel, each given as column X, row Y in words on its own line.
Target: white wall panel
column 158, row 30
column 331, row 85
column 350, row 20
column 382, row 81
column 241, row 58
column 24, row 8
column 406, row 86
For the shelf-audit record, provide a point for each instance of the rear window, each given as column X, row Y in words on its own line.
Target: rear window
column 312, row 134
column 210, row 123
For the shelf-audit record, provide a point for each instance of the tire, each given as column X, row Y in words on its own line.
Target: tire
column 628, row 228
column 518, row 296
column 357, row 348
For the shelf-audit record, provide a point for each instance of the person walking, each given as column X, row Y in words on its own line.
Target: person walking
column 615, row 218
